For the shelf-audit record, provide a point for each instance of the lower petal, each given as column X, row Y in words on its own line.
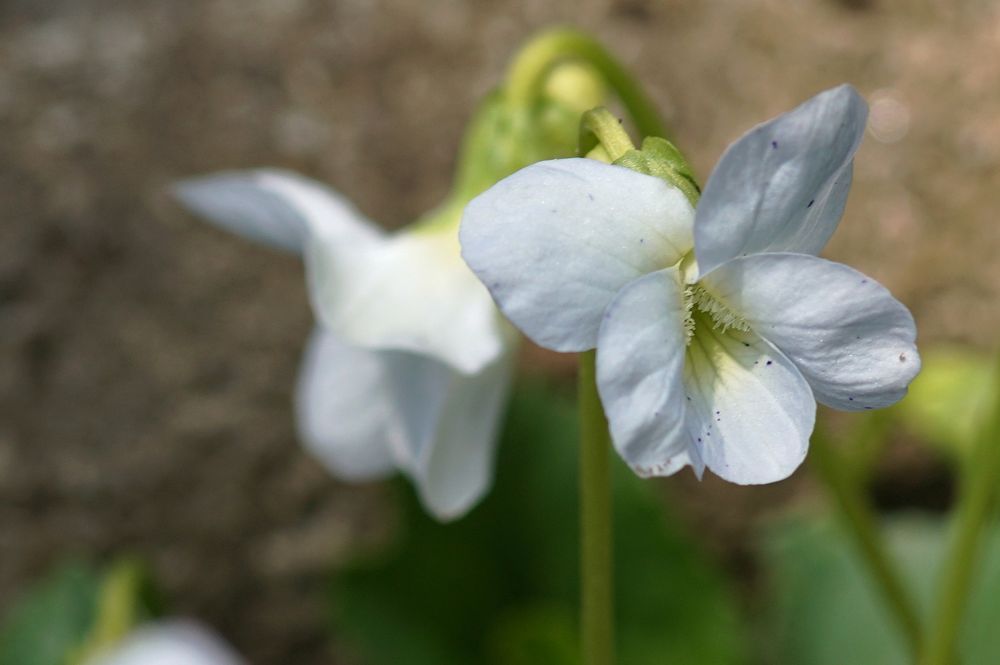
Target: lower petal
column 345, row 412
column 854, row 342
column 640, row 360
column 453, row 469
column 750, row 411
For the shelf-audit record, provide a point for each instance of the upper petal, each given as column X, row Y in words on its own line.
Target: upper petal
column 854, row 342
column 169, row 643
column 273, row 207
column 345, row 412
column 640, row 367
column 784, row 184
column 410, row 292
column 556, row 241
column 750, row 411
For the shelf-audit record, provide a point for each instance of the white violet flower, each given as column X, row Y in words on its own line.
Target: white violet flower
column 173, row 642
column 718, row 329
column 410, row 364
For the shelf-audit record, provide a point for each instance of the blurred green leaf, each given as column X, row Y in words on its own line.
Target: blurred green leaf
column 500, row 586
column 52, row 619
column 950, row 399
column 824, row 609
column 75, row 612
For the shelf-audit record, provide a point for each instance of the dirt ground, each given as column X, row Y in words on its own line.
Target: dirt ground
column 147, row 360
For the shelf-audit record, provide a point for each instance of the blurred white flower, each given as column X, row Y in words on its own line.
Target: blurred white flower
column 410, row 365
column 174, row 642
column 716, row 330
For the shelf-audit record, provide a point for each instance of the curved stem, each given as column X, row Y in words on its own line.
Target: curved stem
column 535, row 61
column 975, row 508
column 597, row 634
column 860, row 520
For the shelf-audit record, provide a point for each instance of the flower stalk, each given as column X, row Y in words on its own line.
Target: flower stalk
column 526, row 76
column 596, row 558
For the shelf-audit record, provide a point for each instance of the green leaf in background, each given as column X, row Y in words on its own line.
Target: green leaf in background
column 500, row 586
column 950, row 399
column 75, row 612
column 825, row 611
column 52, row 619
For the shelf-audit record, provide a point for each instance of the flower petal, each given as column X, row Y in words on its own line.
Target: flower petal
column 640, row 366
column 345, row 412
column 784, row 184
column 453, row 466
column 854, row 342
column 410, row 292
column 275, row 208
column 172, row 642
column 556, row 241
column 750, row 411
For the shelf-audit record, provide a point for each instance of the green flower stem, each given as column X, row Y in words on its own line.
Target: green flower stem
column 857, row 514
column 976, row 505
column 599, row 128
column 532, row 65
column 597, row 626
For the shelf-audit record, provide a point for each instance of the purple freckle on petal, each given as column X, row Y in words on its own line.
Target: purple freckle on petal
column 768, row 362
column 850, row 399
column 642, row 241
column 590, row 196
column 746, row 344
column 902, row 357
column 699, row 439
column 811, row 202
column 869, row 408
column 864, row 281
column 774, row 145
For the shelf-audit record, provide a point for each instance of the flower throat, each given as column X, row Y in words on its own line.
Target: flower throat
column 697, row 299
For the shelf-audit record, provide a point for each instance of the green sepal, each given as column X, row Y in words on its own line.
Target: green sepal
column 659, row 158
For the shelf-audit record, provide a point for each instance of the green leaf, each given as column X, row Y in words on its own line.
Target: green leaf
column 75, row 612
column 500, row 586
column 52, row 619
column 949, row 401
column 824, row 609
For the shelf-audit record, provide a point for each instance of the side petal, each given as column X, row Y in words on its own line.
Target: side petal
column 172, row 642
column 784, row 184
column 411, row 292
column 854, row 342
column 640, row 367
column 750, row 411
column 557, row 240
column 272, row 207
column 345, row 413
column 453, row 467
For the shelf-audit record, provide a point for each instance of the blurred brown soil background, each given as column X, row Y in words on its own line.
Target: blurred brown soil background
column 147, row 360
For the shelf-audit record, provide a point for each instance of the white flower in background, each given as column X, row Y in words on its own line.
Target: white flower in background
column 716, row 329
column 169, row 643
column 410, row 365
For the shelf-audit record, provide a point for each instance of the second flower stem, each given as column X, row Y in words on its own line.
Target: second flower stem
column 597, row 628
column 973, row 515
column 858, row 516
